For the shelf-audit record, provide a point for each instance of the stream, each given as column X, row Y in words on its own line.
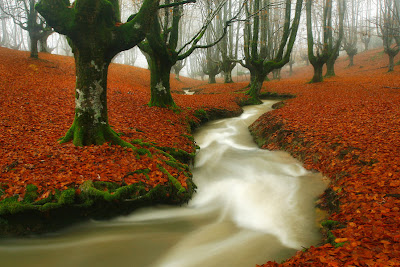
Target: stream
column 251, row 206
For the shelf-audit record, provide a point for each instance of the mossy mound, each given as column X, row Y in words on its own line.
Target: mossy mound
column 92, row 200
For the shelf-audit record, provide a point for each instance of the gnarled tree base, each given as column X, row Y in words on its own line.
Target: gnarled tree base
column 81, row 136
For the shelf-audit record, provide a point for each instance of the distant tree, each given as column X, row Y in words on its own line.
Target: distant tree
column 96, row 36
column 195, row 65
column 291, row 62
column 256, row 41
column 229, row 45
column 211, row 65
column 327, row 51
column 388, row 26
column 179, row 65
column 334, row 44
column 24, row 15
column 366, row 24
column 351, row 34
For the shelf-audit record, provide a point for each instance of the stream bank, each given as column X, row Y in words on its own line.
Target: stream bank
column 251, row 206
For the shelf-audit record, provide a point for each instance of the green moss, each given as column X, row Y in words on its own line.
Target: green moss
column 67, row 197
column 202, row 115
column 327, row 227
column 143, row 151
column 190, row 137
column 177, row 165
column 9, row 200
column 101, row 185
column 140, row 171
column 178, row 154
column 14, row 207
column 30, row 193
column 173, row 180
column 252, row 101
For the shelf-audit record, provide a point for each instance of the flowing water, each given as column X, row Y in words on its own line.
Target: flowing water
column 251, row 206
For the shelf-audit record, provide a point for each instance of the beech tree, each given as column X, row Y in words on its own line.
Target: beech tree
column 365, row 27
column 388, row 26
column 161, row 46
column 229, row 44
column 256, row 58
column 327, row 51
column 351, row 34
column 24, row 14
column 211, row 65
column 96, row 36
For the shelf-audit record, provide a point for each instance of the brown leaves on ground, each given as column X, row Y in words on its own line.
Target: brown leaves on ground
column 37, row 101
column 348, row 128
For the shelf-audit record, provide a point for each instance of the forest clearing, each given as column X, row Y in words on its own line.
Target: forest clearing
column 346, row 127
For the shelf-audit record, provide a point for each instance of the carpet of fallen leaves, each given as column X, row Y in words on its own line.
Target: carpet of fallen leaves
column 349, row 127
column 37, row 108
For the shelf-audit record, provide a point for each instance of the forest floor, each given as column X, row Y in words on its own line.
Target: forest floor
column 347, row 127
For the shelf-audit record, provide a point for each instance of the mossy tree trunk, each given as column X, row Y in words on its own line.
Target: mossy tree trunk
column 33, row 45
column 318, row 77
column 160, row 70
column 96, row 37
column 255, row 87
column 90, row 126
column 228, row 76
column 330, row 68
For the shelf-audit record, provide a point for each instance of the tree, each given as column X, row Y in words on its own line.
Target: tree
column 389, row 24
column 162, row 47
column 366, row 28
column 24, row 15
column 256, row 57
column 327, row 51
column 350, row 35
column 96, row 36
column 195, row 65
column 212, row 64
column 229, row 45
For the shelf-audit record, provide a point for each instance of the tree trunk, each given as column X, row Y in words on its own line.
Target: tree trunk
column 228, row 77
column 211, row 78
column 160, row 83
column 255, row 87
column 177, row 74
column 351, row 58
column 317, row 73
column 366, row 44
column 90, row 126
column 34, row 47
column 330, row 69
column 391, row 62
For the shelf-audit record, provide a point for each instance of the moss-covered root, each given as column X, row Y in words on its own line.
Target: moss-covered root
column 96, row 136
column 173, row 180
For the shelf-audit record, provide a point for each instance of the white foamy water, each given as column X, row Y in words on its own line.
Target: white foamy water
column 251, row 206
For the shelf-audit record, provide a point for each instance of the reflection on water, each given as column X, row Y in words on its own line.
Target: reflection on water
column 251, row 206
